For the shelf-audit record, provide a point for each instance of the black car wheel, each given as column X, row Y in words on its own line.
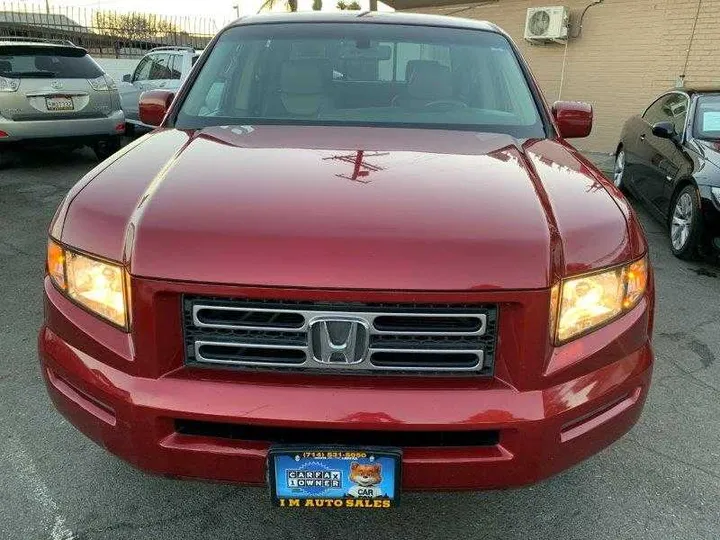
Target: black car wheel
column 685, row 224
column 106, row 148
column 619, row 170
column 4, row 159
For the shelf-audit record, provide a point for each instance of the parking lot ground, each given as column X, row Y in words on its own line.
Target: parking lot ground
column 661, row 481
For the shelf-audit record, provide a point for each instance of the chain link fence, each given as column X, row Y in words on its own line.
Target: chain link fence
column 105, row 33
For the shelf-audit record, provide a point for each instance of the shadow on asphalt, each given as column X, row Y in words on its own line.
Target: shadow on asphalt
column 47, row 157
column 52, row 156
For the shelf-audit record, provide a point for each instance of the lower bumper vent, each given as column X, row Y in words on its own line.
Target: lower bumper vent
column 350, row 437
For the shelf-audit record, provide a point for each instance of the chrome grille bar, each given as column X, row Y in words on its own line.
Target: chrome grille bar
column 310, row 315
column 366, row 364
column 234, row 345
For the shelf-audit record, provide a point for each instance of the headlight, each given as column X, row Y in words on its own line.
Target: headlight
column 97, row 285
column 582, row 303
column 716, row 194
column 103, row 83
column 9, row 85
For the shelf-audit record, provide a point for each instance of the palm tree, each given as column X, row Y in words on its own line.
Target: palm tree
column 269, row 4
column 342, row 5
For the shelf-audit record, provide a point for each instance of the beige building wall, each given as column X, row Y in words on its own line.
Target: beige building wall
column 629, row 52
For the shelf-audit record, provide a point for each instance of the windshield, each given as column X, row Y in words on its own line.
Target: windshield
column 47, row 62
column 363, row 74
column 707, row 117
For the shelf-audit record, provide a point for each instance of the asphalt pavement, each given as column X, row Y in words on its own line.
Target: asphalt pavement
column 661, row 481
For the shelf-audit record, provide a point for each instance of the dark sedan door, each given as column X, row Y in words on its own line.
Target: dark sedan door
column 630, row 140
column 661, row 161
column 639, row 152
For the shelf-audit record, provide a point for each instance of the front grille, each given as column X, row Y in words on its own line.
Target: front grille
column 354, row 337
column 346, row 437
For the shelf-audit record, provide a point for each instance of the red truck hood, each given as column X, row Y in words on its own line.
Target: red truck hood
column 360, row 208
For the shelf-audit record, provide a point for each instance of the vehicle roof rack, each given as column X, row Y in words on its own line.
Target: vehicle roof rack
column 19, row 39
column 172, row 48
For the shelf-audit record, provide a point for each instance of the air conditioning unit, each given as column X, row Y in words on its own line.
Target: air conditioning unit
column 547, row 24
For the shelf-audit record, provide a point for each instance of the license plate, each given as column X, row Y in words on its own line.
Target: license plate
column 332, row 477
column 59, row 104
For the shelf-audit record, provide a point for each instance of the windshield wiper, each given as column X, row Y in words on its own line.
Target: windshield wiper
column 29, row 74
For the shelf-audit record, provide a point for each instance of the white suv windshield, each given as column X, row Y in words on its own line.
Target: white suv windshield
column 363, row 74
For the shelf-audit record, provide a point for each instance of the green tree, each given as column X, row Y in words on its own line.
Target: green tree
column 133, row 26
column 291, row 5
column 342, row 5
column 317, row 5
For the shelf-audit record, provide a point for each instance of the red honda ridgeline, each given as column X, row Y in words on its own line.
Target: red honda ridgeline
column 361, row 232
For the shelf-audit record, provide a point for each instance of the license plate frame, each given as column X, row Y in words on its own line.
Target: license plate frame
column 59, row 104
column 371, row 461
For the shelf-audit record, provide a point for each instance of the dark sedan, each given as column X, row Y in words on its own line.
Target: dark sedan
column 670, row 159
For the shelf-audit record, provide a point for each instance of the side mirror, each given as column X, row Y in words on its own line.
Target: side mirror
column 127, row 78
column 154, row 105
column 574, row 119
column 664, row 130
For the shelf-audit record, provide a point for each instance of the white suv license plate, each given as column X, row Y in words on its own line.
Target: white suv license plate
column 59, row 104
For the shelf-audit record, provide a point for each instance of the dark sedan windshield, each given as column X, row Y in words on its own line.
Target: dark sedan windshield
column 707, row 117
column 363, row 74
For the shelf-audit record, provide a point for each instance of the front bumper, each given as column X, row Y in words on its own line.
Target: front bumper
column 61, row 129
column 710, row 207
column 542, row 431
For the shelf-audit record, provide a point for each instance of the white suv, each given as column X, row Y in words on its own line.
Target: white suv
column 162, row 68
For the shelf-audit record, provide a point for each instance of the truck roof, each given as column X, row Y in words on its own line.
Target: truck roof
column 377, row 17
